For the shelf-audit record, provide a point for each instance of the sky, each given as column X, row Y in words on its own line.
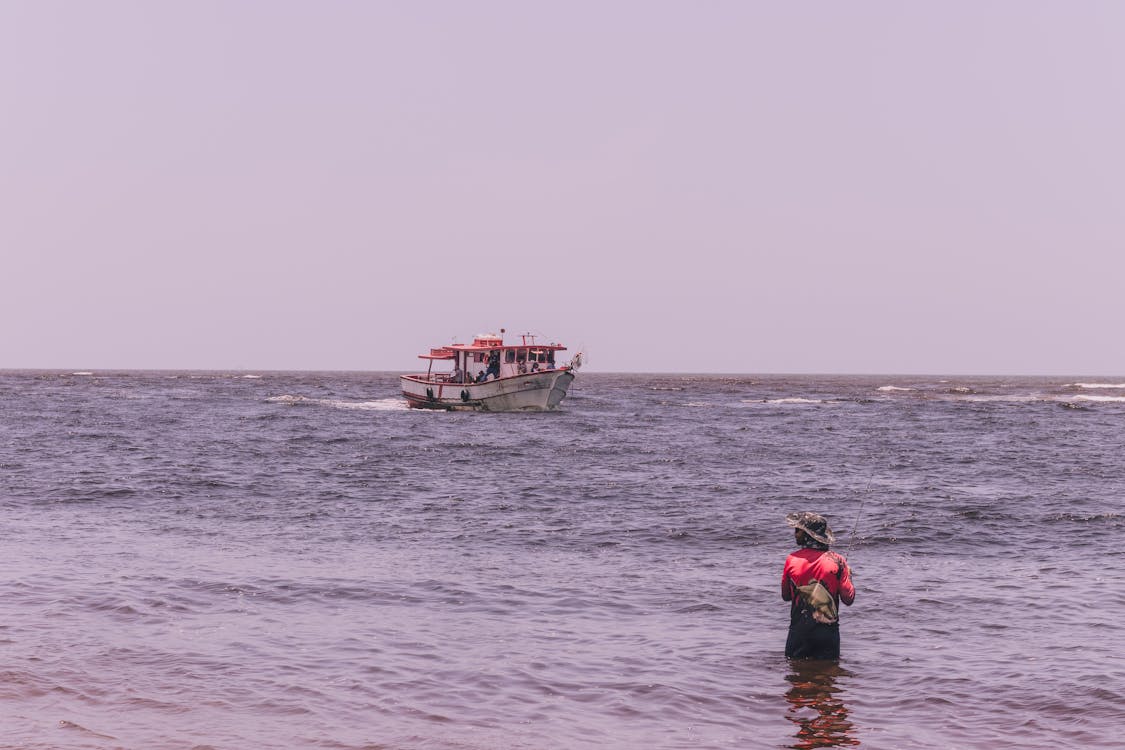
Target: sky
column 735, row 187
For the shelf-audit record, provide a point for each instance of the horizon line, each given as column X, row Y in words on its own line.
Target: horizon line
column 665, row 373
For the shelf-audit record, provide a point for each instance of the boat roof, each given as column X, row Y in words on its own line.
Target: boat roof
column 488, row 343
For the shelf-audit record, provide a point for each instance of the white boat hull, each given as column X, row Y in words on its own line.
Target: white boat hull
column 533, row 391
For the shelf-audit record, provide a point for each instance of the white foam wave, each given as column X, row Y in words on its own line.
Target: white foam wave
column 1034, row 397
column 792, row 400
column 893, row 388
column 1098, row 385
column 383, row 404
column 287, row 399
column 252, row 377
column 1012, row 398
column 82, row 372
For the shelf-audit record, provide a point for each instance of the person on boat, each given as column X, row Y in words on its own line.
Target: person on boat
column 493, row 365
column 814, row 626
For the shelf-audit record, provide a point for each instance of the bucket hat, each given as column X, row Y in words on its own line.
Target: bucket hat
column 813, row 524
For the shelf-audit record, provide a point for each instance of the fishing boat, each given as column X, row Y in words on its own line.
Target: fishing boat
column 489, row 375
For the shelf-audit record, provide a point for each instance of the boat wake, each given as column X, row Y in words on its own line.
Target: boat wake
column 382, row 404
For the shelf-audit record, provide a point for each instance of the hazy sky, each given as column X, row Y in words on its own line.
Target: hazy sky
column 718, row 186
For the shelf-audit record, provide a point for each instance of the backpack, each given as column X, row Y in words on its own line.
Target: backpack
column 817, row 602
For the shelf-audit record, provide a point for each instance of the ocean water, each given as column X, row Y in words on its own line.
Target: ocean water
column 296, row 560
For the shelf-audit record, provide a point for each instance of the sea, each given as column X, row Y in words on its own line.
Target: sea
column 245, row 560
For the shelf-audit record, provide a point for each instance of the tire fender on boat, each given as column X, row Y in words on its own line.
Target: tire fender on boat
column 464, row 394
column 430, row 394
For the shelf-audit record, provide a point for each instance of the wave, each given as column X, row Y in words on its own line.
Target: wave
column 1009, row 398
column 252, row 377
column 287, row 399
column 1096, row 385
column 82, row 372
column 1040, row 398
column 894, row 388
column 790, row 400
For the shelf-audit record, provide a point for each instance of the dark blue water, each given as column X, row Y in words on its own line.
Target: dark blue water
column 213, row 560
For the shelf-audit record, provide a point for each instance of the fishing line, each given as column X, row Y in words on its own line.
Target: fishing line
column 858, row 515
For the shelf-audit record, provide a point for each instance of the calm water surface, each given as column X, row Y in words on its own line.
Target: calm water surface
column 295, row 560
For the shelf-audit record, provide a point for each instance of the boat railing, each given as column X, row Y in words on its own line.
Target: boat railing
column 509, row 371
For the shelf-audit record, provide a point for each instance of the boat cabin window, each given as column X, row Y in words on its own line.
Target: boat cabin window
column 509, row 355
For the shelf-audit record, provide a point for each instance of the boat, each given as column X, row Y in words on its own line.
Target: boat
column 490, row 375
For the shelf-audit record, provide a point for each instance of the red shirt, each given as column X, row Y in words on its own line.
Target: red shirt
column 806, row 564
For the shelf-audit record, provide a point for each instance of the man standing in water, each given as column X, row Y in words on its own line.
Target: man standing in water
column 815, row 581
